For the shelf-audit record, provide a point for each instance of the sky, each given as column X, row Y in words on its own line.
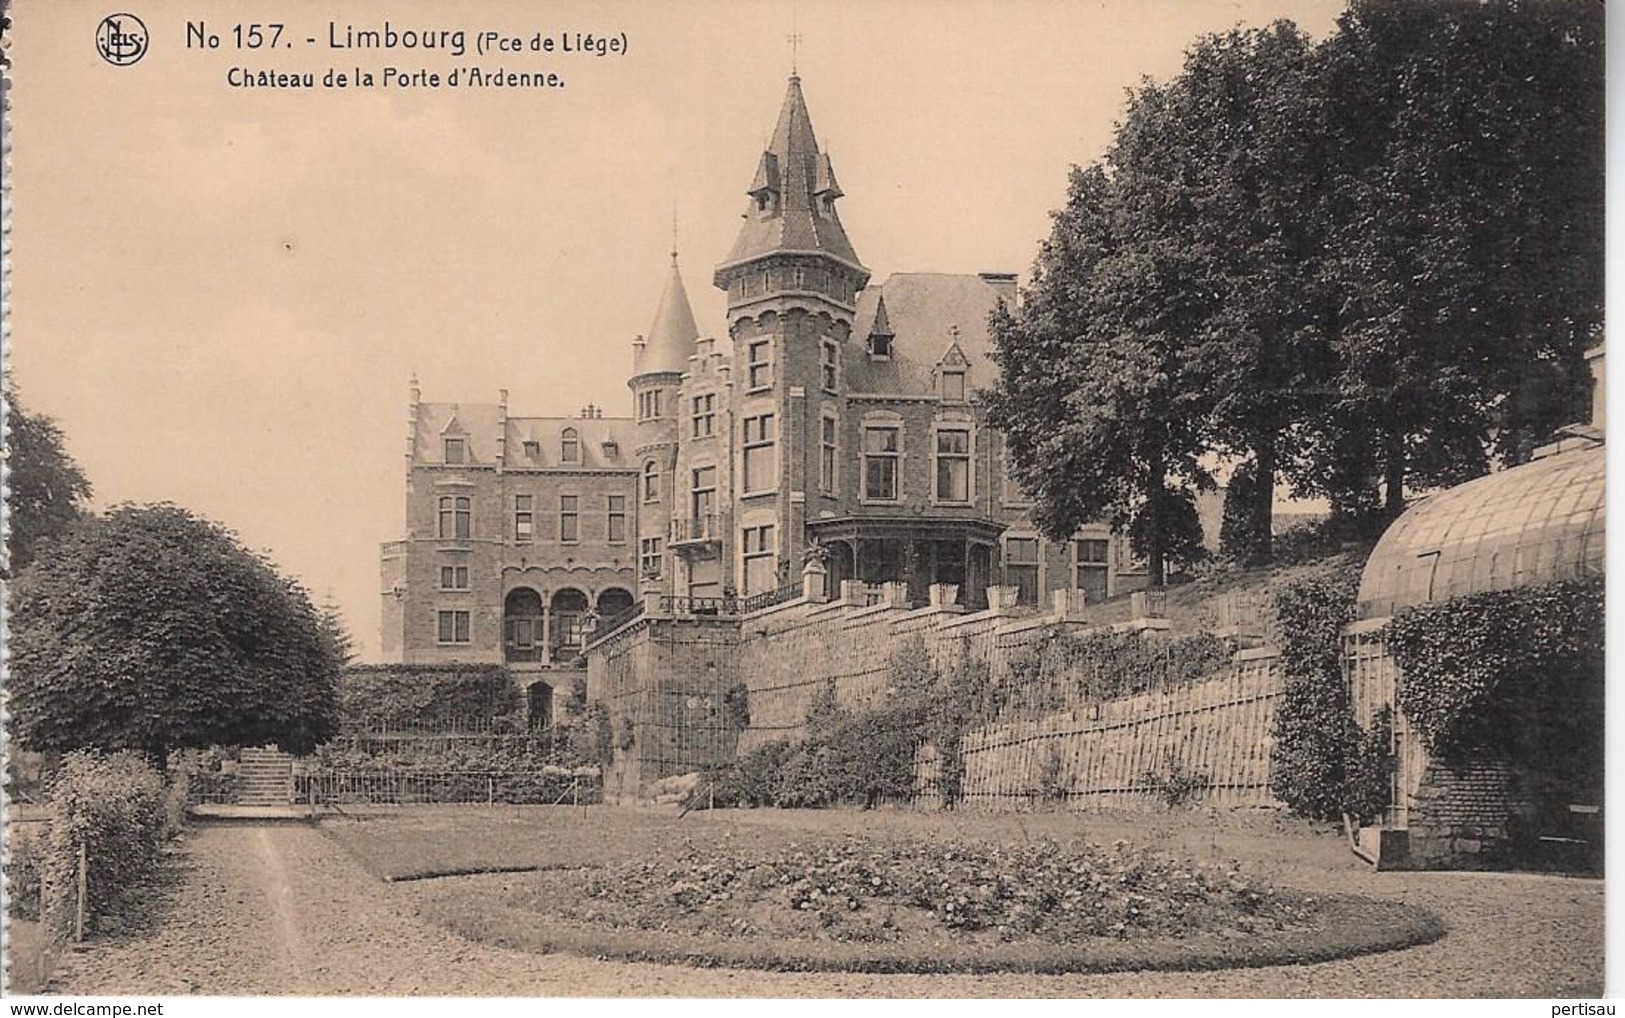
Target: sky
column 220, row 294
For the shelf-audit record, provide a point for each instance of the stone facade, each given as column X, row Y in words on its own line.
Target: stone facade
column 834, row 412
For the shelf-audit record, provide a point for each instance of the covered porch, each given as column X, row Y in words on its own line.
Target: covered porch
column 913, row 550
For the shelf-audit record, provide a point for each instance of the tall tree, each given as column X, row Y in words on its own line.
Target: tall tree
column 151, row 629
column 1245, row 164
column 1467, row 209
column 47, row 490
column 1088, row 392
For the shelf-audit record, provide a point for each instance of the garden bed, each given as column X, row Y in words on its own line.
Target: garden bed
column 874, row 905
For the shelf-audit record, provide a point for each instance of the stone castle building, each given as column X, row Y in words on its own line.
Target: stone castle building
column 835, row 412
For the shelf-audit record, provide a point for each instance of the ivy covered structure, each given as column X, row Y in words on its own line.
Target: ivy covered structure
column 1480, row 626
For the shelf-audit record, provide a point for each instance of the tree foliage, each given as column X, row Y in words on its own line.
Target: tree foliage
column 1365, row 266
column 46, row 489
column 151, row 629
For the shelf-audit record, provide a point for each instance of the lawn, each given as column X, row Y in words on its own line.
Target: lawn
column 776, row 888
column 424, row 841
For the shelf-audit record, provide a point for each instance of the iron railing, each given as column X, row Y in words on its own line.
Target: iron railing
column 703, row 527
column 728, row 605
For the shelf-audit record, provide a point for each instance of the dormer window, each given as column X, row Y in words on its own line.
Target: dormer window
column 880, row 347
column 570, row 446
column 611, row 448
column 533, row 448
column 953, row 385
column 456, row 450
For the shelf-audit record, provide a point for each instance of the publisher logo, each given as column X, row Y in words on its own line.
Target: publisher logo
column 121, row 39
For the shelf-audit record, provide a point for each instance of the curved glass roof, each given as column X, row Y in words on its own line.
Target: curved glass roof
column 1532, row 524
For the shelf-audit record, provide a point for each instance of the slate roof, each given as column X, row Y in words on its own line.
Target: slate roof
column 922, row 310
column 670, row 341
column 795, row 169
column 478, row 424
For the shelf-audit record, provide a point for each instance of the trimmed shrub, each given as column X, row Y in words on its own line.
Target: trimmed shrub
column 427, row 697
column 113, row 806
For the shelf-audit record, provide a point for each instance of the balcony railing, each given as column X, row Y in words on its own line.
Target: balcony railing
column 732, row 605
column 705, row 528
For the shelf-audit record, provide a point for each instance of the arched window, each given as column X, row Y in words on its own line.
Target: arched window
column 570, row 446
column 651, row 482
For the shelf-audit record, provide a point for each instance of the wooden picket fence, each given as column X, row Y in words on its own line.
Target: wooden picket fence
column 1212, row 738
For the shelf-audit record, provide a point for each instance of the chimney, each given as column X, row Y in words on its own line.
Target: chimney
column 1004, row 283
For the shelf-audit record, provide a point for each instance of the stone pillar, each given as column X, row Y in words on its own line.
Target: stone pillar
column 815, row 581
column 943, row 595
column 894, row 594
column 853, row 592
column 1067, row 605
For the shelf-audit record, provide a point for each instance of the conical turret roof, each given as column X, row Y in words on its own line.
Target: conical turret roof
column 793, row 193
column 671, row 338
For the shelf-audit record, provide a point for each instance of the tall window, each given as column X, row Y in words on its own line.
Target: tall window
column 649, row 557
column 456, row 450
column 882, row 448
column 828, row 449
column 953, row 385
column 1090, row 568
column 570, row 446
column 569, row 518
column 616, row 527
column 831, row 365
column 760, row 369
column 648, row 404
column 651, row 482
column 953, row 465
column 760, row 552
column 452, row 627
column 705, row 415
column 453, row 577
column 524, row 517
column 703, row 493
column 1021, row 567
column 760, row 463
column 456, row 521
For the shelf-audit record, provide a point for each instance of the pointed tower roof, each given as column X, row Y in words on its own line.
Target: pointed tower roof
column 793, row 194
column 671, row 338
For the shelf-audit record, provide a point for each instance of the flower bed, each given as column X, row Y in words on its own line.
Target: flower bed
column 862, row 905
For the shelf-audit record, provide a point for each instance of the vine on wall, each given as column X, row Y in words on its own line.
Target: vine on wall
column 1514, row 673
column 1322, row 764
column 1067, row 669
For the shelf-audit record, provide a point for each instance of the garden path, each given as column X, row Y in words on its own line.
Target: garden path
column 285, row 910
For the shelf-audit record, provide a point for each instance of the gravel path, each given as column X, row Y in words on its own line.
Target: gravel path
column 283, row 910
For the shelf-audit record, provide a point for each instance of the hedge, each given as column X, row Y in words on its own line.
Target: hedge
column 114, row 806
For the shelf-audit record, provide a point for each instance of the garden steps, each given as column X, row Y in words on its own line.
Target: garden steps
column 264, row 777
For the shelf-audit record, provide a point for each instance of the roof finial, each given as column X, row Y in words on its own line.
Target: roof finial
column 674, row 234
column 795, row 42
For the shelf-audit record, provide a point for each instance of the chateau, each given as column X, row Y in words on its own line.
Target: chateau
column 836, row 413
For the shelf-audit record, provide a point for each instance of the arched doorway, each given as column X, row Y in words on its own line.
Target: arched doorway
column 612, row 602
column 522, row 625
column 539, row 700
column 567, row 608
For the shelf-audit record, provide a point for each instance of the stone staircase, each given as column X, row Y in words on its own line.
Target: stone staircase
column 264, row 777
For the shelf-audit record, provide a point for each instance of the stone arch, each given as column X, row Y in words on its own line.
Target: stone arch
column 567, row 609
column 522, row 625
column 614, row 600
